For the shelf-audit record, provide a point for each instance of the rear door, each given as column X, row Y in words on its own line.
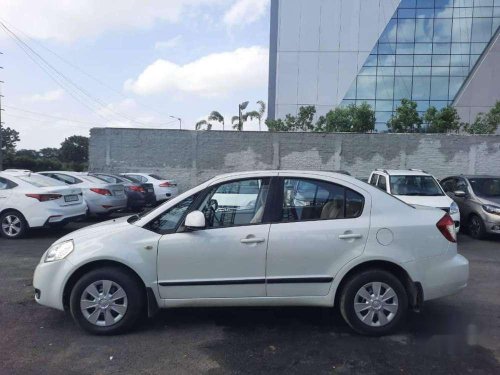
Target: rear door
column 6, row 187
column 319, row 227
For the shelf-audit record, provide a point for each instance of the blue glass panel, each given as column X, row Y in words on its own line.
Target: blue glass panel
column 366, row 87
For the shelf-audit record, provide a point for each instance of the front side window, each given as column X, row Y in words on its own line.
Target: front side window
column 236, row 203
column 448, row 185
column 169, row 220
column 415, row 185
column 305, row 199
column 486, row 187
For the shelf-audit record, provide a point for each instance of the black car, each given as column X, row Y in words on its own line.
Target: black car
column 138, row 194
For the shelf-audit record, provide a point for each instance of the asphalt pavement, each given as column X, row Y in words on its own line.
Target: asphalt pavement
column 455, row 335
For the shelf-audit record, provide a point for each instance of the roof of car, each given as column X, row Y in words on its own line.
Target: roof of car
column 474, row 176
column 403, row 172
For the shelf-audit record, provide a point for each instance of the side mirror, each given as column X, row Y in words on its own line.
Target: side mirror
column 195, row 220
column 459, row 193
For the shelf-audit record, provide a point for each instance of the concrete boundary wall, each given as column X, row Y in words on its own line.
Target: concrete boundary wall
column 191, row 157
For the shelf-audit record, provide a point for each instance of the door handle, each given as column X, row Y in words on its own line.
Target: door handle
column 252, row 240
column 350, row 236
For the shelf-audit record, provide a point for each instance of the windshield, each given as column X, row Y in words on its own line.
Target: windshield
column 486, row 187
column 39, row 181
column 415, row 185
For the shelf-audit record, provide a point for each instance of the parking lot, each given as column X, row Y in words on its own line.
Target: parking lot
column 458, row 334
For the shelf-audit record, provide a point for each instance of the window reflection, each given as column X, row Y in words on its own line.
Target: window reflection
column 425, row 53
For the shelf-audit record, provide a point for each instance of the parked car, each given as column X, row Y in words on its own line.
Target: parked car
column 164, row 189
column 29, row 200
column 352, row 245
column 138, row 194
column 102, row 198
column 415, row 186
column 478, row 198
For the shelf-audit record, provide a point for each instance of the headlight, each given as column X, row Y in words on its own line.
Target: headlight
column 491, row 209
column 453, row 208
column 59, row 251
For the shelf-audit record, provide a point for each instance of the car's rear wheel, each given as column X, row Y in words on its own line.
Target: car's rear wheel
column 107, row 301
column 476, row 227
column 373, row 302
column 13, row 225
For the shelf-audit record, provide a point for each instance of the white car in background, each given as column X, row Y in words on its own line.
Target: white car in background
column 29, row 200
column 164, row 189
column 348, row 244
column 415, row 187
column 102, row 198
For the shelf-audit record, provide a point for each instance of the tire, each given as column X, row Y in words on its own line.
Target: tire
column 13, row 225
column 367, row 281
column 121, row 319
column 476, row 228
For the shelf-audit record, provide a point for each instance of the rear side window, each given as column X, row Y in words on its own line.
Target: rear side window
column 373, row 179
column 6, row 184
column 305, row 199
column 382, row 183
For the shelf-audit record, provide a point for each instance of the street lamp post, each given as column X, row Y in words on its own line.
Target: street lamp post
column 180, row 121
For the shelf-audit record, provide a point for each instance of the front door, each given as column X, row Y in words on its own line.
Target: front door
column 321, row 226
column 228, row 257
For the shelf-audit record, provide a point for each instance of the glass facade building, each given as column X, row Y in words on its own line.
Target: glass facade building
column 330, row 53
column 425, row 53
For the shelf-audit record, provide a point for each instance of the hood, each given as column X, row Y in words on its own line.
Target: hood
column 109, row 227
column 495, row 201
column 441, row 201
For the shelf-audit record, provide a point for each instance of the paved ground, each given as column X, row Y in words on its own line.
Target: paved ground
column 459, row 334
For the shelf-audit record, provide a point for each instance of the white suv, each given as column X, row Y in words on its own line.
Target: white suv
column 415, row 186
column 305, row 238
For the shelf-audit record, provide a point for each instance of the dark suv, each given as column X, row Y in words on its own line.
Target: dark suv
column 478, row 198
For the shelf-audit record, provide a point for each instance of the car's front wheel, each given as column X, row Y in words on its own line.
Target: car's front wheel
column 373, row 302
column 13, row 225
column 476, row 227
column 107, row 300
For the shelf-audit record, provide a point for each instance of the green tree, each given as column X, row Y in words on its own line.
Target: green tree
column 406, row 119
column 216, row 116
column 355, row 119
column 199, row 125
column 75, row 149
column 50, row 153
column 10, row 137
column 33, row 154
column 259, row 114
column 445, row 120
column 485, row 123
column 237, row 123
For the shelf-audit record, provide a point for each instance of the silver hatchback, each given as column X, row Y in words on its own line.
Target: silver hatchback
column 478, row 198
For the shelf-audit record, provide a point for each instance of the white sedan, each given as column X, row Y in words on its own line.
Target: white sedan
column 164, row 189
column 350, row 244
column 29, row 200
column 102, row 198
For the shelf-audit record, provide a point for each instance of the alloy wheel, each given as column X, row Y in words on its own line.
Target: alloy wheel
column 11, row 225
column 376, row 304
column 104, row 303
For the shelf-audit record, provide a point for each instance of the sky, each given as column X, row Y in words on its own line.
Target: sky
column 71, row 65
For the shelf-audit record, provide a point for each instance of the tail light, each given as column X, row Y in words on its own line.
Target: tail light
column 44, row 197
column 101, row 191
column 167, row 184
column 447, row 228
column 139, row 189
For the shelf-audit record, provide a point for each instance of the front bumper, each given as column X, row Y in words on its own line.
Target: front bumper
column 49, row 280
column 491, row 223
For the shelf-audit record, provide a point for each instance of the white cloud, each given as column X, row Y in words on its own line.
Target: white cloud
column 170, row 43
column 67, row 21
column 49, row 96
column 212, row 75
column 245, row 12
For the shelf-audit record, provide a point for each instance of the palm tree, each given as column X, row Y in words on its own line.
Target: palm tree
column 262, row 110
column 200, row 123
column 216, row 116
column 237, row 124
